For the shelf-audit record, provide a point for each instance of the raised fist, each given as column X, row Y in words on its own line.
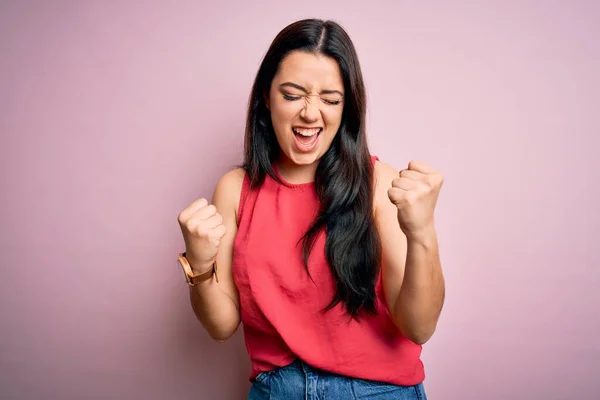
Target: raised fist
column 202, row 228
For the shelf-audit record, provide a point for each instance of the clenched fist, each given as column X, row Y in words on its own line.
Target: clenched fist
column 202, row 228
column 415, row 193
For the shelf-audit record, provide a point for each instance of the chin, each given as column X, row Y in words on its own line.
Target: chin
column 303, row 158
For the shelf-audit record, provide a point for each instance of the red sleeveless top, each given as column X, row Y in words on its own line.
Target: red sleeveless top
column 281, row 307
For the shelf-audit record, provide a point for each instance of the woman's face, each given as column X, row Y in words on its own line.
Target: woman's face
column 306, row 103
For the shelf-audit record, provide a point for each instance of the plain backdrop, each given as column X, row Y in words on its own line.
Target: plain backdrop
column 115, row 115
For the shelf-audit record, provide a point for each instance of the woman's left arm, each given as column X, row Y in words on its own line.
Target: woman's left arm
column 412, row 274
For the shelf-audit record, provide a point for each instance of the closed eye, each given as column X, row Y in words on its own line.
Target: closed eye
column 331, row 102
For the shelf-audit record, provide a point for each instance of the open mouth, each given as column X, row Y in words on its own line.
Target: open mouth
column 306, row 139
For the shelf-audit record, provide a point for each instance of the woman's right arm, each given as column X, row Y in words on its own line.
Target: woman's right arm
column 209, row 232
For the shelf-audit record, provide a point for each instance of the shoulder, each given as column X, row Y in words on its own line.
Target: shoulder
column 384, row 175
column 232, row 178
column 228, row 190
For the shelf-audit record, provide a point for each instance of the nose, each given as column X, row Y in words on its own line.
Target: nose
column 310, row 112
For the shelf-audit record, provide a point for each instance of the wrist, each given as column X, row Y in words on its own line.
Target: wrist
column 426, row 237
column 198, row 266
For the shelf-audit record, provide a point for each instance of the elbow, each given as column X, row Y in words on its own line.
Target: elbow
column 416, row 328
column 419, row 338
column 416, row 333
column 223, row 331
column 221, row 336
column 220, row 339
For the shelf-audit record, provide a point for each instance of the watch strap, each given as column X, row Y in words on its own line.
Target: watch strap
column 193, row 279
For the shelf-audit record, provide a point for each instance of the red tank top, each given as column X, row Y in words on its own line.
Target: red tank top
column 281, row 307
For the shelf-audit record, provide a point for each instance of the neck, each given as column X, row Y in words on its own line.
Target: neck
column 294, row 173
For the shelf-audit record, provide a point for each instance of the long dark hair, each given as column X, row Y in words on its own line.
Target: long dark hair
column 344, row 176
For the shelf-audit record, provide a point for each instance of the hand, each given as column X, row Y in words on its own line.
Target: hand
column 202, row 228
column 415, row 193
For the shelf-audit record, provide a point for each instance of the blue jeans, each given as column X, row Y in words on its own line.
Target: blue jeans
column 299, row 381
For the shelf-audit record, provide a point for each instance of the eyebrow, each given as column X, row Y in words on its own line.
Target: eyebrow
column 296, row 86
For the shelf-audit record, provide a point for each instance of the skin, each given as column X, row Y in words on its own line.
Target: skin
column 404, row 202
column 413, row 281
column 303, row 93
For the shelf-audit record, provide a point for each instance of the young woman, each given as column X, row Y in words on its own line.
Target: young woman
column 328, row 256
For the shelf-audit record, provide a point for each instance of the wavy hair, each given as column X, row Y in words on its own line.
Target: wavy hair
column 344, row 176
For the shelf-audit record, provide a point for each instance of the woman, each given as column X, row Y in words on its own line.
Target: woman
column 328, row 256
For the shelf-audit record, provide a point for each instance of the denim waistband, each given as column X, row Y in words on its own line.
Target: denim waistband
column 299, row 380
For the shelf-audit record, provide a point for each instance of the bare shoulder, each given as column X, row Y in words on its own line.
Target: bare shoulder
column 232, row 179
column 384, row 176
column 226, row 196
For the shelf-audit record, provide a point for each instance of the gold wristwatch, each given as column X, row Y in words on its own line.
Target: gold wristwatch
column 192, row 279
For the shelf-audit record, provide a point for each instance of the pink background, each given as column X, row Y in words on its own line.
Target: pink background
column 116, row 115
